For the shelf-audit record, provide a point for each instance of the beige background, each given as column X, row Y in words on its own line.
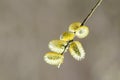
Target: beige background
column 27, row 26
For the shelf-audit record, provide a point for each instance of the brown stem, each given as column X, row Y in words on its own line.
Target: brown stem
column 91, row 12
column 66, row 47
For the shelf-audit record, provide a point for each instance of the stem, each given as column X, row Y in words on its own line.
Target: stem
column 66, row 47
column 91, row 12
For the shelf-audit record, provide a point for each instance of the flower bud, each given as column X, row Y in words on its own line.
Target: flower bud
column 67, row 36
column 82, row 32
column 54, row 58
column 57, row 45
column 77, row 50
column 74, row 26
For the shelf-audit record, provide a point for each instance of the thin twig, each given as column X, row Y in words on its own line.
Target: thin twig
column 91, row 12
column 66, row 46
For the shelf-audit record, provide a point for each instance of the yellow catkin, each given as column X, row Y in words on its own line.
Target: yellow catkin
column 76, row 50
column 82, row 32
column 57, row 45
column 54, row 58
column 67, row 36
column 74, row 26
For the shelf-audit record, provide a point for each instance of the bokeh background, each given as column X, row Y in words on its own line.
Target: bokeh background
column 27, row 26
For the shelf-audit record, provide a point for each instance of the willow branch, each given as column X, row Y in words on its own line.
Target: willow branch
column 91, row 12
column 85, row 20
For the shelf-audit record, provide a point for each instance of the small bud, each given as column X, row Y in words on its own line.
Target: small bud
column 82, row 32
column 77, row 50
column 74, row 26
column 54, row 58
column 57, row 45
column 67, row 36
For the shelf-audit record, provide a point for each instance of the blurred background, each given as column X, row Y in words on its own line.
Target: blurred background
column 27, row 26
